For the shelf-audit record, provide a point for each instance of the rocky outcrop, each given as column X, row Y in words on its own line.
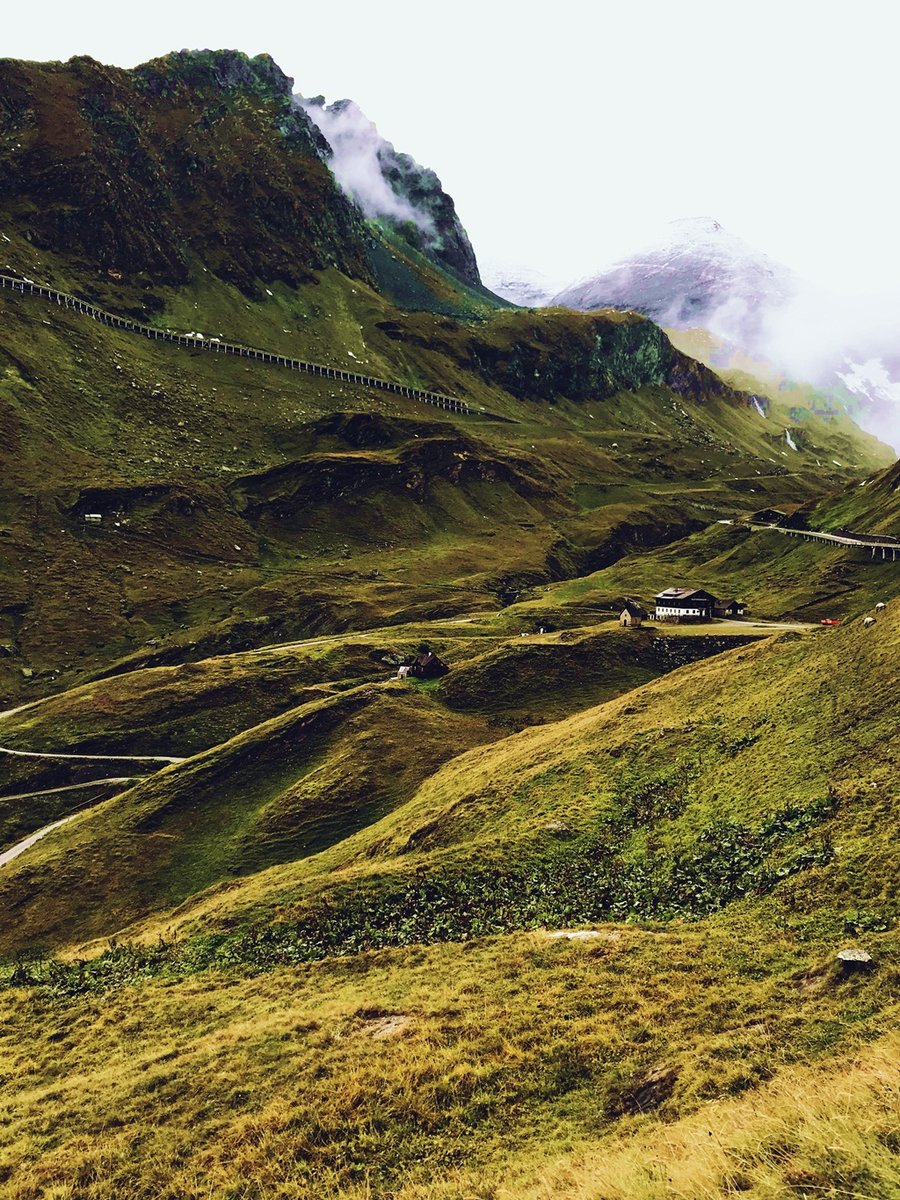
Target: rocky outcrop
column 554, row 354
column 197, row 155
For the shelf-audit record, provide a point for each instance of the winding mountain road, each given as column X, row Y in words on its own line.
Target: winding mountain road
column 77, row 787
column 7, row 856
column 136, row 758
column 13, row 852
column 866, row 541
column 196, row 341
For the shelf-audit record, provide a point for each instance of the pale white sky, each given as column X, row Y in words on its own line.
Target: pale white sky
column 568, row 131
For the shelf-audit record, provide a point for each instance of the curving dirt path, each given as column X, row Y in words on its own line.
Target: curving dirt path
column 7, row 856
column 135, row 758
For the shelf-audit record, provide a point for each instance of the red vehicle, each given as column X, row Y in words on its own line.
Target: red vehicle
column 830, row 621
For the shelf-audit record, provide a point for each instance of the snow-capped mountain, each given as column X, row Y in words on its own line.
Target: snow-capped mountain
column 520, row 285
column 696, row 274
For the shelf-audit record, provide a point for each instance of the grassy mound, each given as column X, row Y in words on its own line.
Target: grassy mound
column 544, row 678
column 281, row 790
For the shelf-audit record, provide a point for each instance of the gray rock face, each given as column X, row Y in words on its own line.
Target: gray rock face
column 392, row 187
column 223, row 69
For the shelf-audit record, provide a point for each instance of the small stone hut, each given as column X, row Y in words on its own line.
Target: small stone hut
column 633, row 614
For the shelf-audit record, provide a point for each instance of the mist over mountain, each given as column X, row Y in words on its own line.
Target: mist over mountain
column 392, row 187
column 697, row 275
column 521, row 285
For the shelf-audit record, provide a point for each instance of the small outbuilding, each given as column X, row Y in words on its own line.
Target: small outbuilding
column 729, row 608
column 427, row 665
column 633, row 614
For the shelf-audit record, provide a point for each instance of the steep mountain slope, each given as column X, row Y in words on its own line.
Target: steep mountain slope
column 236, row 504
column 872, row 507
column 133, row 175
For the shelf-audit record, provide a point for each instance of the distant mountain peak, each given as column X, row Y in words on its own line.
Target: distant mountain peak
column 694, row 273
column 697, row 227
column 522, row 285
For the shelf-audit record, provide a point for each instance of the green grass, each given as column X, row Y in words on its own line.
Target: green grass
column 778, row 577
column 721, row 832
column 753, row 735
column 202, row 456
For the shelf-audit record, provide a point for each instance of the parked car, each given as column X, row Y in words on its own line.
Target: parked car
column 830, row 621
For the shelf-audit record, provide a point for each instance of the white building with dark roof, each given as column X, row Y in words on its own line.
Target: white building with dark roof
column 684, row 604
column 694, row 604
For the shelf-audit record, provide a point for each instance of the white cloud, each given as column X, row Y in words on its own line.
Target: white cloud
column 356, row 161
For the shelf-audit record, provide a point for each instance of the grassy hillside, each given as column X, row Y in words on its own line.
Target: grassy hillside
column 244, row 505
column 561, row 924
column 717, row 834
column 238, row 509
column 873, row 506
column 778, row 577
column 333, row 755
column 739, row 769
column 713, row 1060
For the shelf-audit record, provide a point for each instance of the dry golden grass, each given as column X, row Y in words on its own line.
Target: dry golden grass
column 832, row 1131
column 496, row 1070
